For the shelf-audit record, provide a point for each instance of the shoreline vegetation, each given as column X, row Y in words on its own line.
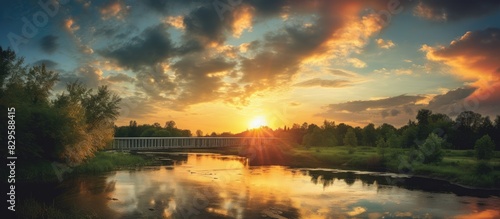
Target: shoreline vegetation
column 458, row 167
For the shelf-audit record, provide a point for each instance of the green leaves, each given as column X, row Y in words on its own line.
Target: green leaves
column 484, row 148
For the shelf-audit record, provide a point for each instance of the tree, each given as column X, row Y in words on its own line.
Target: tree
column 466, row 126
column 484, row 148
column 423, row 116
column 350, row 138
column 432, row 149
column 170, row 124
column 70, row 128
column 369, row 135
column 199, row 133
column 92, row 115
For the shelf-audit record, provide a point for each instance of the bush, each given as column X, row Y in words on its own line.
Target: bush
column 484, row 148
column 483, row 167
column 432, row 149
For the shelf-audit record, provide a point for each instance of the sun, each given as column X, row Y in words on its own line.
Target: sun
column 257, row 122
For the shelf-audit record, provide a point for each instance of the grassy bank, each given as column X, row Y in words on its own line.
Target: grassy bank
column 458, row 167
column 46, row 171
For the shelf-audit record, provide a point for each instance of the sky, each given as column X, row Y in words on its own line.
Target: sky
column 231, row 65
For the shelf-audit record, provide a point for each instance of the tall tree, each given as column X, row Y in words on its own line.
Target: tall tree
column 350, row 138
column 369, row 135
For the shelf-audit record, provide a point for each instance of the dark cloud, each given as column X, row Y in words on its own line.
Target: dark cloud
column 363, row 105
column 156, row 83
column 267, row 8
column 451, row 97
column 152, row 46
column 165, row 6
column 49, row 44
column 387, row 113
column 205, row 25
column 324, row 83
column 200, row 79
column 455, row 10
column 281, row 56
column 49, row 64
column 120, row 77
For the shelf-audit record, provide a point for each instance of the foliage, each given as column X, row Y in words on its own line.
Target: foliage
column 350, row 138
column 154, row 130
column 68, row 128
column 482, row 167
column 432, row 149
column 484, row 148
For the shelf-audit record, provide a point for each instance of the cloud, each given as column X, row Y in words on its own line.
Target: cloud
column 242, row 20
column 452, row 10
column 398, row 71
column 363, row 105
column 392, row 113
column 451, row 97
column 120, row 77
column 342, row 73
column 384, row 44
column 166, row 6
column 474, row 56
column 175, row 21
column 114, row 9
column 87, row 74
column 357, row 63
column 152, row 46
column 201, row 82
column 49, row 44
column 204, row 25
column 399, row 109
column 70, row 25
column 324, row 83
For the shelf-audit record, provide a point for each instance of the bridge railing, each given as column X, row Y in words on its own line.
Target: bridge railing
column 148, row 143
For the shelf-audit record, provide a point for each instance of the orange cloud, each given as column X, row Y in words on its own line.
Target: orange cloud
column 474, row 56
column 175, row 21
column 242, row 20
column 385, row 44
column 114, row 9
column 70, row 25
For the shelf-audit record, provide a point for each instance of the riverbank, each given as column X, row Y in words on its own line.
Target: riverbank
column 42, row 170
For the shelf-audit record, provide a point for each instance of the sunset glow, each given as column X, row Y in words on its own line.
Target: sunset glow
column 209, row 66
column 257, row 122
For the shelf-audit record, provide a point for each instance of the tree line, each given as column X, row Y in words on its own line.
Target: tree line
column 460, row 133
column 155, row 130
column 68, row 127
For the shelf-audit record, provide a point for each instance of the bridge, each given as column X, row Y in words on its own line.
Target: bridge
column 155, row 143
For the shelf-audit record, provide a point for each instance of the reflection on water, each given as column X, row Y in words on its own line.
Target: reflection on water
column 216, row 186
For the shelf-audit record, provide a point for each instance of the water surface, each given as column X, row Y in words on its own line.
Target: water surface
column 217, row 186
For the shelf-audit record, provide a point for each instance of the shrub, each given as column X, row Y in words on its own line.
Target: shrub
column 432, row 149
column 484, row 148
column 483, row 167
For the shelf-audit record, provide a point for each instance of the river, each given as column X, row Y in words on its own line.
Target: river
column 219, row 186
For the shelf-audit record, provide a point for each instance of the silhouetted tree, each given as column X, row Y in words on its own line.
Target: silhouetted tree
column 369, row 135
column 350, row 138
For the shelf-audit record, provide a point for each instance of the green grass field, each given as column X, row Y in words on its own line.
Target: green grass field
column 457, row 166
